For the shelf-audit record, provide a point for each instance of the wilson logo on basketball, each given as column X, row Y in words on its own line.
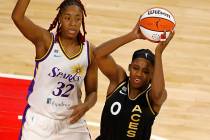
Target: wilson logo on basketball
column 158, row 12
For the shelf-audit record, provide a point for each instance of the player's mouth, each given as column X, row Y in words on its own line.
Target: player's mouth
column 137, row 80
column 71, row 31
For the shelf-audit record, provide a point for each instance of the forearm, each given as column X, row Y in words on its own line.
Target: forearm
column 20, row 9
column 90, row 100
column 158, row 92
column 158, row 81
column 110, row 46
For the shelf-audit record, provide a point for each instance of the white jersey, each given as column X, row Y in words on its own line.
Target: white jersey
column 57, row 81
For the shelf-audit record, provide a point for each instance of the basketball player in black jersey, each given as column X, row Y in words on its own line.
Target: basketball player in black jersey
column 132, row 101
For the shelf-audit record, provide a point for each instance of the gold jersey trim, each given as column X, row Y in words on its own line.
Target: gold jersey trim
column 70, row 57
column 138, row 94
column 48, row 51
column 148, row 101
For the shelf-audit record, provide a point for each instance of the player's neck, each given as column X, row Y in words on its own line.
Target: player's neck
column 134, row 93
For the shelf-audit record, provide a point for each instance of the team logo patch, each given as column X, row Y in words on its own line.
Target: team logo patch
column 78, row 69
column 123, row 91
column 56, row 53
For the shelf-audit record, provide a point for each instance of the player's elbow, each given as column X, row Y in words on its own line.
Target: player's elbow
column 16, row 18
column 100, row 53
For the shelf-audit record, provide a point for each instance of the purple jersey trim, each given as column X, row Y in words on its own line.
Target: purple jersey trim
column 88, row 52
column 31, row 87
column 23, row 120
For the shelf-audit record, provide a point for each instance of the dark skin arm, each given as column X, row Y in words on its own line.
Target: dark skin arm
column 158, row 92
column 39, row 36
column 107, row 64
column 91, row 83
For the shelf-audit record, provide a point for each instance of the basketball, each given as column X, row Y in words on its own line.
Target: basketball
column 154, row 22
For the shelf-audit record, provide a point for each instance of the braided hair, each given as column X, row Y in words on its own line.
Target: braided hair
column 61, row 8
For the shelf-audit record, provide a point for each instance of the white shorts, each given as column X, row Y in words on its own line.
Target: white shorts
column 39, row 127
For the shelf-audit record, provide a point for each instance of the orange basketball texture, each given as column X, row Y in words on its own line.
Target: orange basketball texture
column 154, row 22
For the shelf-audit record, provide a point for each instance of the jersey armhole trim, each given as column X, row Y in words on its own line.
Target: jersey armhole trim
column 89, row 52
column 112, row 93
column 148, row 101
column 48, row 51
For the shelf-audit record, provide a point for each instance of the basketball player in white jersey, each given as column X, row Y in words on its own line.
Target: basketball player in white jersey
column 132, row 101
column 64, row 59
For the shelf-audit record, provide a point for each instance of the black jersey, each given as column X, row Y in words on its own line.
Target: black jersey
column 126, row 119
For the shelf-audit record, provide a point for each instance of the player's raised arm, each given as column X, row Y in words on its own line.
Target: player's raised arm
column 158, row 91
column 31, row 31
column 105, row 61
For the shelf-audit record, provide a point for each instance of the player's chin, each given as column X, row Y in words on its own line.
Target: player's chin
column 71, row 36
column 137, row 85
